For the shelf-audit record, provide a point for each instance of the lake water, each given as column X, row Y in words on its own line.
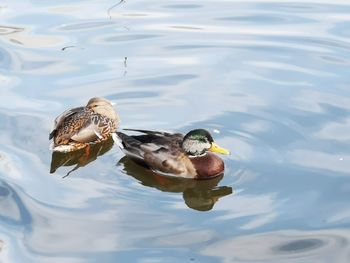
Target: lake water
column 270, row 79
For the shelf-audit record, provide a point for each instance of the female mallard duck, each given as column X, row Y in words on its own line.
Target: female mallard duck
column 76, row 128
column 184, row 156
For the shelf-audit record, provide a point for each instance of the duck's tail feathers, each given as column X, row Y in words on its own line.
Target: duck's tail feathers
column 118, row 141
column 131, row 146
column 52, row 134
column 128, row 142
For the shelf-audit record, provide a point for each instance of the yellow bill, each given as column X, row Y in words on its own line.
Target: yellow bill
column 217, row 149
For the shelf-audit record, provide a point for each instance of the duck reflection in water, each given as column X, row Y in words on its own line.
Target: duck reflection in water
column 200, row 195
column 79, row 158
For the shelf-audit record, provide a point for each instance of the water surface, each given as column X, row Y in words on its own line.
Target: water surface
column 269, row 79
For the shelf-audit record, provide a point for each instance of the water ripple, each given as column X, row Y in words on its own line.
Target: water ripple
column 13, row 211
column 7, row 30
column 164, row 80
column 183, row 6
column 271, row 76
column 88, row 25
column 130, row 37
column 284, row 246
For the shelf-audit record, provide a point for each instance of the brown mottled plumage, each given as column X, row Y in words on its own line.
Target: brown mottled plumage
column 76, row 128
column 175, row 154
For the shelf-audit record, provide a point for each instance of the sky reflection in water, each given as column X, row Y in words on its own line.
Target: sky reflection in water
column 272, row 77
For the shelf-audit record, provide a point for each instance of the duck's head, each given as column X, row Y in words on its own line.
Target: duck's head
column 103, row 107
column 198, row 142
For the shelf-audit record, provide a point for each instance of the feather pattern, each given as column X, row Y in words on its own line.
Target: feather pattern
column 162, row 152
column 77, row 127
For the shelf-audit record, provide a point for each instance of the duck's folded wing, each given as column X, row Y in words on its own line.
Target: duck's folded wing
column 82, row 127
column 96, row 127
column 130, row 146
column 148, row 132
column 62, row 118
column 164, row 139
column 166, row 161
column 89, row 133
column 167, row 158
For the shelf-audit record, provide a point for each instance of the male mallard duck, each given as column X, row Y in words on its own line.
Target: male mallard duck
column 184, row 156
column 78, row 127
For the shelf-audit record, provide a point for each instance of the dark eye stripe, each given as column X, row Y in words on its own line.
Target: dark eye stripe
column 199, row 138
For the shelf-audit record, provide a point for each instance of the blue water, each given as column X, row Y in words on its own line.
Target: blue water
column 269, row 79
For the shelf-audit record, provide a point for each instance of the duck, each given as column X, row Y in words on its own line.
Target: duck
column 188, row 156
column 77, row 128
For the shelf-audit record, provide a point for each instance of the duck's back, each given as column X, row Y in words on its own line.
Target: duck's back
column 69, row 124
column 159, row 151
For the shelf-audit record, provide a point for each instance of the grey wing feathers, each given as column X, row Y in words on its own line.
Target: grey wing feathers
column 131, row 146
column 128, row 141
column 149, row 132
column 157, row 150
column 159, row 138
column 135, row 148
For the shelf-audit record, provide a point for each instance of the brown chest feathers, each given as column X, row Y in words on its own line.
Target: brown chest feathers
column 207, row 166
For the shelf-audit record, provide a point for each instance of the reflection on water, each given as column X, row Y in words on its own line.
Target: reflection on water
column 285, row 246
column 198, row 194
column 299, row 245
column 79, row 158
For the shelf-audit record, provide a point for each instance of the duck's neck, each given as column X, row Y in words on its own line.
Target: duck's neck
column 191, row 156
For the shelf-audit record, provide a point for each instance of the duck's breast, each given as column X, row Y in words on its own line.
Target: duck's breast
column 209, row 165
